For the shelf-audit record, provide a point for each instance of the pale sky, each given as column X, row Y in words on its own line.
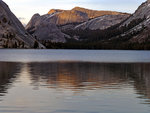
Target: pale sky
column 24, row 9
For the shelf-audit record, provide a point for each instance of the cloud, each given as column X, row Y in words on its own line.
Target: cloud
column 21, row 18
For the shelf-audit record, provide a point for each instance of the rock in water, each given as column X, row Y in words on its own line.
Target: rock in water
column 12, row 32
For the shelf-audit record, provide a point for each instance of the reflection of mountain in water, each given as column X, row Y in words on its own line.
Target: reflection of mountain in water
column 79, row 76
column 92, row 75
column 141, row 75
column 7, row 75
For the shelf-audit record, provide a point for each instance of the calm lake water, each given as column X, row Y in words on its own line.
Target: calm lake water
column 74, row 81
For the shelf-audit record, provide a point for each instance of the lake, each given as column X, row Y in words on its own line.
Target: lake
column 74, row 81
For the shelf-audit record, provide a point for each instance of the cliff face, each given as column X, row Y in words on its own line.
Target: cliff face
column 140, row 24
column 77, row 15
column 143, row 11
column 12, row 32
column 94, row 13
column 52, row 11
column 62, row 17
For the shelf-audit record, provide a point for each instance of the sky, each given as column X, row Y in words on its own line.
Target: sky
column 25, row 9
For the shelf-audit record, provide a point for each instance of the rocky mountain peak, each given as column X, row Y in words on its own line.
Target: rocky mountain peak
column 52, row 11
column 143, row 12
column 43, row 29
column 79, row 8
column 148, row 0
column 76, row 15
column 138, row 24
column 12, row 32
column 95, row 13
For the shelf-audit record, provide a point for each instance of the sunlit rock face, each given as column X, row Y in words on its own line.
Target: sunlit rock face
column 52, row 11
column 62, row 17
column 77, row 15
column 12, row 32
column 95, row 13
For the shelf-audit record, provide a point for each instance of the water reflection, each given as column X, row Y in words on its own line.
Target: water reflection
column 88, row 76
column 79, row 75
column 76, row 77
column 7, row 76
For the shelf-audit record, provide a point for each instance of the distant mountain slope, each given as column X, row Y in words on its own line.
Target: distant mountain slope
column 77, row 14
column 12, row 32
column 102, row 22
column 143, row 11
column 131, row 33
column 138, row 25
column 50, row 27
column 134, row 29
column 43, row 30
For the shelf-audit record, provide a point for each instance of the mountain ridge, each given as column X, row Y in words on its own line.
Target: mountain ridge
column 89, row 13
column 12, row 32
column 69, row 19
column 78, row 27
column 133, row 32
